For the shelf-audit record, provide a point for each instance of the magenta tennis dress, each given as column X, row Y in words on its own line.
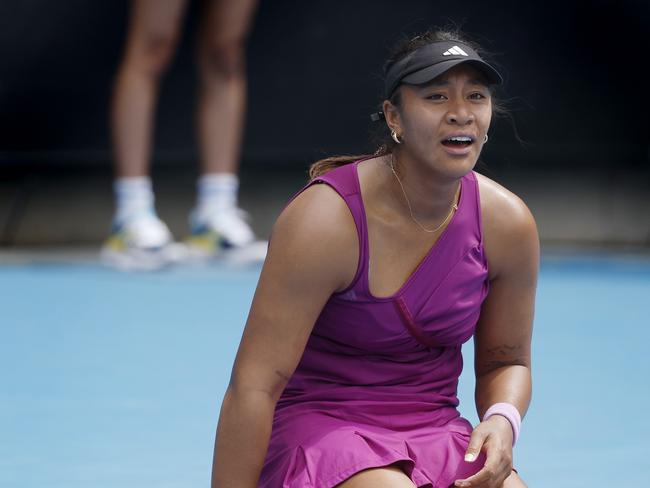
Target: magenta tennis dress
column 377, row 382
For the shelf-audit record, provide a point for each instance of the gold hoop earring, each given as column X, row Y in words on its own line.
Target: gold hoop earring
column 393, row 134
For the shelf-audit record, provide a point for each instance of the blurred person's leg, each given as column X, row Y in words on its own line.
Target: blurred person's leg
column 220, row 118
column 153, row 31
column 154, row 28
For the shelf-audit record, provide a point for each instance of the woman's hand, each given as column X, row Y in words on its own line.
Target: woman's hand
column 494, row 436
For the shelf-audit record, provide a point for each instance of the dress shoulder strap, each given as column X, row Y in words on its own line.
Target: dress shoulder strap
column 476, row 205
column 345, row 182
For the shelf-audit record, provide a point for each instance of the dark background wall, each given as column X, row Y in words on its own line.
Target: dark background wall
column 573, row 74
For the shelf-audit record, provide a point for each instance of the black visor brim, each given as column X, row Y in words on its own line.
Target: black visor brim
column 429, row 73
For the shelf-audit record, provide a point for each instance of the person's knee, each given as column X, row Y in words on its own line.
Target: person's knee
column 225, row 59
column 514, row 481
column 384, row 477
column 151, row 53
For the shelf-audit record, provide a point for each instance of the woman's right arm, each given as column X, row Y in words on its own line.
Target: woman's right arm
column 313, row 253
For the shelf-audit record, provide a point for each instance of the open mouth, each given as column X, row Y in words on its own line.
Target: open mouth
column 458, row 141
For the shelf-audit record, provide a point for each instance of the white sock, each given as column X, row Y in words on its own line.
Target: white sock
column 216, row 192
column 133, row 196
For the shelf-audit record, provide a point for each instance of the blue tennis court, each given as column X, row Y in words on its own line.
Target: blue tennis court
column 116, row 379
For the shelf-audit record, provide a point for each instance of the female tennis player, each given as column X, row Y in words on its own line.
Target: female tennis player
column 377, row 272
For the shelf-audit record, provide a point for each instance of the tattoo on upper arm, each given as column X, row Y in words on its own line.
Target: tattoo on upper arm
column 504, row 355
column 504, row 351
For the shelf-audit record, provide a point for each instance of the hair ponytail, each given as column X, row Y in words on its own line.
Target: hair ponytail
column 328, row 164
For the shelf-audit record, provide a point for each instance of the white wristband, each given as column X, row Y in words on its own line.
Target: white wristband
column 510, row 412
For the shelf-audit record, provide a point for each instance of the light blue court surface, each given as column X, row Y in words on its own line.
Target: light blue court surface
column 112, row 379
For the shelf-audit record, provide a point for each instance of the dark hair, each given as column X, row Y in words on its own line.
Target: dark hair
column 382, row 138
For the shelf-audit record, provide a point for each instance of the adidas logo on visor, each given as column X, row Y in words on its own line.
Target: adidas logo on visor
column 455, row 51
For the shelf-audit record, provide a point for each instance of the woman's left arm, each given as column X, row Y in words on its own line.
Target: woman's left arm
column 502, row 341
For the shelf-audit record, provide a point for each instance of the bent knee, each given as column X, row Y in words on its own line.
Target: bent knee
column 384, row 477
column 225, row 59
column 514, row 481
column 151, row 53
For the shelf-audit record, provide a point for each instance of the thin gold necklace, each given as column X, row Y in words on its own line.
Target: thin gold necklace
column 454, row 206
